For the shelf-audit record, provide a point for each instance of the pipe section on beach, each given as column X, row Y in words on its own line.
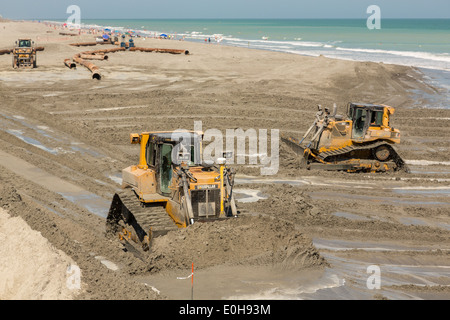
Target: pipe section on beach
column 70, row 64
column 8, row 51
column 161, row 50
column 84, row 44
column 68, row 34
column 103, row 51
column 94, row 56
column 81, row 58
column 5, row 51
column 92, row 67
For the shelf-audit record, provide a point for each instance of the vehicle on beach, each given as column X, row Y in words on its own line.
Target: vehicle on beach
column 24, row 54
column 170, row 188
column 361, row 141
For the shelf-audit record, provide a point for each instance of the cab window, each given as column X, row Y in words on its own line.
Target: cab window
column 376, row 118
column 150, row 154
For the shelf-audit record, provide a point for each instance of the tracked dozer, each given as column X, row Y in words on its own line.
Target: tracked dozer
column 24, row 54
column 170, row 188
column 361, row 141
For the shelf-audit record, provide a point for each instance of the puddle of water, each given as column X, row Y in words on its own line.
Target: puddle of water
column 307, row 181
column 54, row 94
column 410, row 221
column 427, row 162
column 76, row 147
column 350, row 216
column 93, row 203
column 445, row 226
column 69, row 191
column 344, row 245
column 19, row 134
column 109, row 264
column 244, row 180
column 329, row 286
column 248, row 195
column 376, row 199
column 240, row 283
column 413, row 221
column 432, row 191
column 116, row 177
column 355, row 274
column 47, row 133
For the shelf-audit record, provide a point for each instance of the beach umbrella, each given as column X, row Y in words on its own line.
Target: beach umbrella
column 105, row 36
column 163, row 35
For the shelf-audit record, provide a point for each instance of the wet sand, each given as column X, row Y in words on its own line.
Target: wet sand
column 64, row 140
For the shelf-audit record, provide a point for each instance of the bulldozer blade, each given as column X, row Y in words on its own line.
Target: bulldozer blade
column 294, row 144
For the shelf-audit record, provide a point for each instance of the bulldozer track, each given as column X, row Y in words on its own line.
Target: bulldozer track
column 370, row 146
column 146, row 220
column 342, row 151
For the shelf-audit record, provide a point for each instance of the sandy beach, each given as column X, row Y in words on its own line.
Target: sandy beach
column 64, row 139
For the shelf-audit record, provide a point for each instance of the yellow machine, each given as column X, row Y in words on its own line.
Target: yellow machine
column 170, row 188
column 362, row 141
column 24, row 54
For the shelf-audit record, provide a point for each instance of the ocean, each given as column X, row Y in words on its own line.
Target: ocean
column 422, row 43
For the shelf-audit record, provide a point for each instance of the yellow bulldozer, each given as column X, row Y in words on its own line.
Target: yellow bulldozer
column 361, row 141
column 24, row 54
column 170, row 188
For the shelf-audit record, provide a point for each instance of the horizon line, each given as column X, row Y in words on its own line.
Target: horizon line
column 386, row 18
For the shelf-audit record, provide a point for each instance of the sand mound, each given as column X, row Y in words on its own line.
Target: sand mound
column 30, row 267
column 250, row 240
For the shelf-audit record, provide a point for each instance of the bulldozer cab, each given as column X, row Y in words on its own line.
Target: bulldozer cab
column 164, row 150
column 364, row 116
column 24, row 43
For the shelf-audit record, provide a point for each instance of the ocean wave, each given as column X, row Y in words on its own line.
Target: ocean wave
column 275, row 42
column 412, row 54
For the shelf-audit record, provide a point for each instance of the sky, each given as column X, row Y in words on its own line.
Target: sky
column 223, row 9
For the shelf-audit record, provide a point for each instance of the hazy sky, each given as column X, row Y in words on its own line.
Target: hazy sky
column 177, row 9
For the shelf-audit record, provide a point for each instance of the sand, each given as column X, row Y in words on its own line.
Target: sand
column 31, row 268
column 64, row 139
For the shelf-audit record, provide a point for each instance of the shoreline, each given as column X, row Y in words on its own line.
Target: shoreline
column 437, row 78
column 351, row 53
